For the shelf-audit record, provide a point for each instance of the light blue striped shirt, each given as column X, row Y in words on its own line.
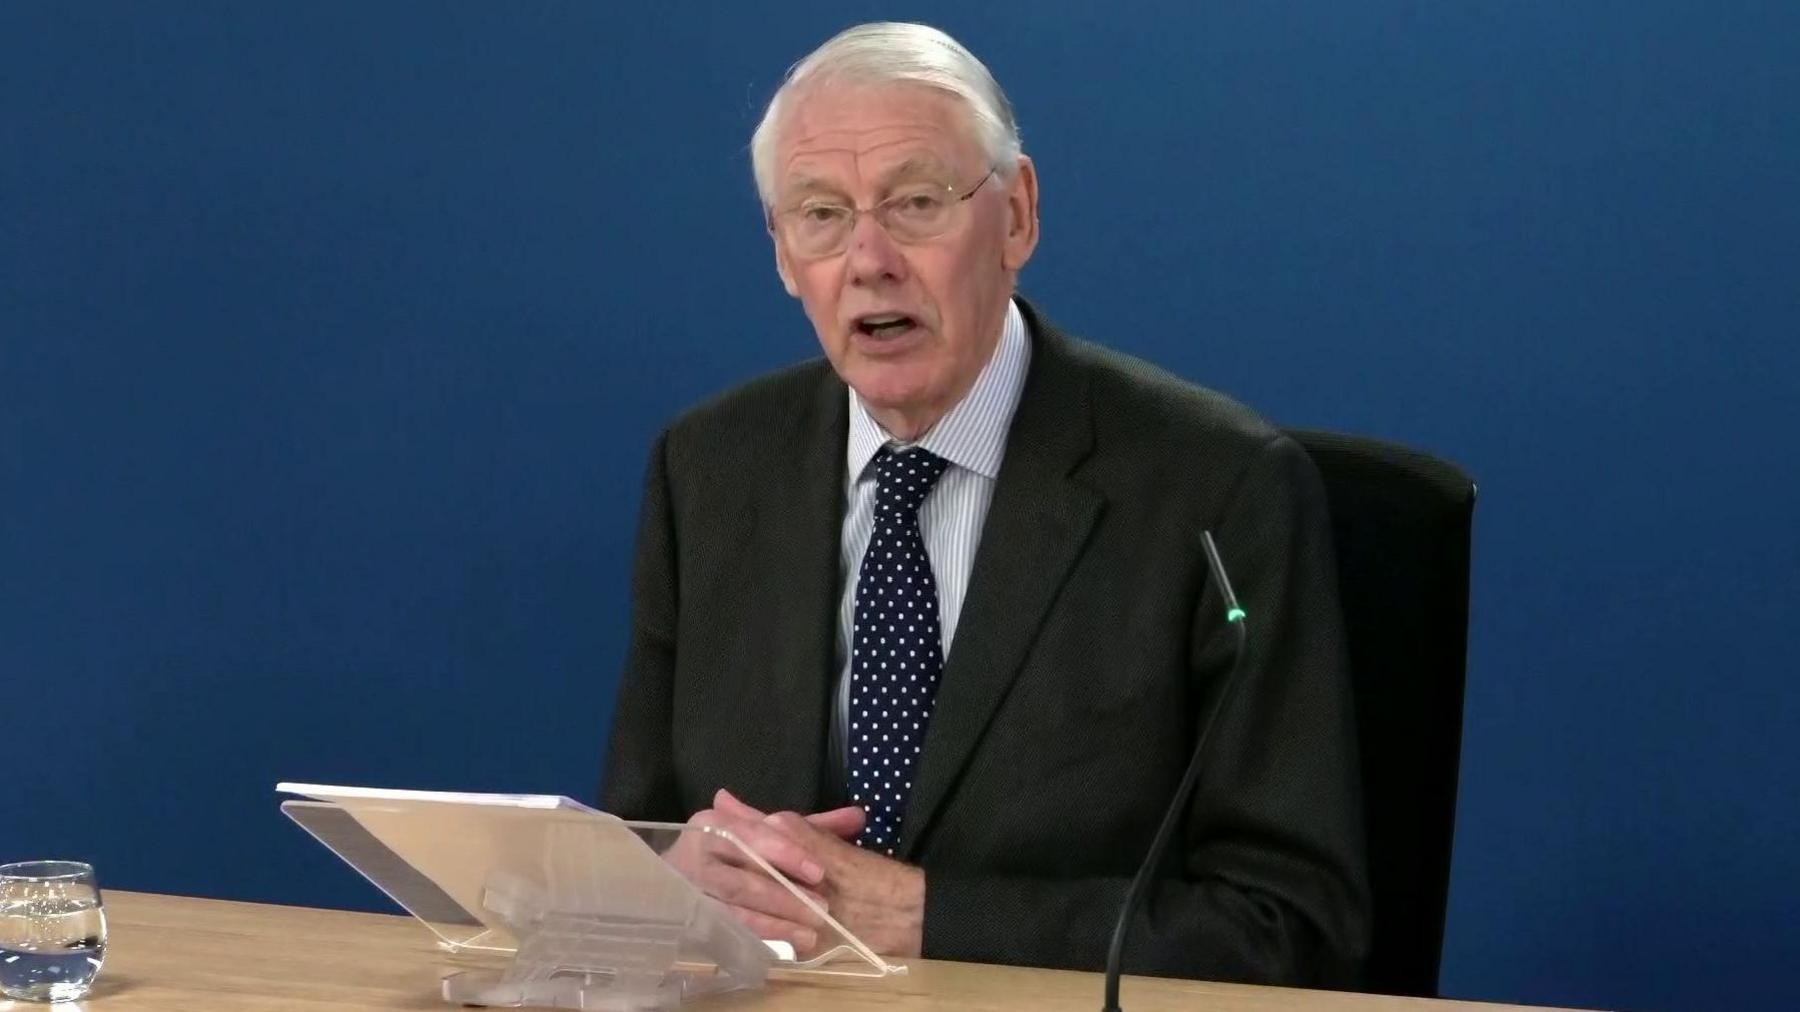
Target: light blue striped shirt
column 972, row 437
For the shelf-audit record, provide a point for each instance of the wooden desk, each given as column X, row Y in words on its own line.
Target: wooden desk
column 175, row 954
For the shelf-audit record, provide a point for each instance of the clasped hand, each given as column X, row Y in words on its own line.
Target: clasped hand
column 879, row 899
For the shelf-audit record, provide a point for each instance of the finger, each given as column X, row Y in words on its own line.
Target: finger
column 755, row 891
column 701, row 843
column 815, row 837
column 792, row 826
column 731, row 857
column 783, row 851
column 785, row 854
column 844, row 823
column 797, row 887
column 802, row 937
column 696, row 854
column 687, row 854
column 705, row 839
column 728, row 803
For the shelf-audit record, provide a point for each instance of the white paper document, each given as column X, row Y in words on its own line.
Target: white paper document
column 333, row 792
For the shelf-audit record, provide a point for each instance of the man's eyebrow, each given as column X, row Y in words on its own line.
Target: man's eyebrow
column 803, row 186
column 804, row 182
column 928, row 166
column 914, row 167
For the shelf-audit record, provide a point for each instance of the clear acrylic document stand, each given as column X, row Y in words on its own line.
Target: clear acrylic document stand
column 589, row 907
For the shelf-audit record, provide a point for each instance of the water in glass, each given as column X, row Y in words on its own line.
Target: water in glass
column 52, row 930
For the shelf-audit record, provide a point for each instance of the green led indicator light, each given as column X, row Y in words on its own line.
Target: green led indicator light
column 1235, row 615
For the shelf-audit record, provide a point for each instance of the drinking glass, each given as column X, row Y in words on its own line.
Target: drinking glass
column 52, row 930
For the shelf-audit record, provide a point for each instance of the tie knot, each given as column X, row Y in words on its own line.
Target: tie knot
column 905, row 478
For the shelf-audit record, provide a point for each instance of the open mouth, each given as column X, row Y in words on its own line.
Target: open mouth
column 885, row 326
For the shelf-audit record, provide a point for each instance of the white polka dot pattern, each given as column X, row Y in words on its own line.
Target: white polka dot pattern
column 895, row 653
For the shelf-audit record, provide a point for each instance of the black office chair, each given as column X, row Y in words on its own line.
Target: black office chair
column 1402, row 522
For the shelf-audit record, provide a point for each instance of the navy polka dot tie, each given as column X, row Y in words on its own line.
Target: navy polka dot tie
column 896, row 654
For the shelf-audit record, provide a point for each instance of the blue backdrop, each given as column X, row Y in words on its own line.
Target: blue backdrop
column 333, row 336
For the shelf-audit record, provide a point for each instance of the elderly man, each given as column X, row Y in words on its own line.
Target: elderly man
column 928, row 623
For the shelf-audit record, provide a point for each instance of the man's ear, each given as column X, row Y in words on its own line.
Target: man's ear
column 782, row 267
column 1022, row 223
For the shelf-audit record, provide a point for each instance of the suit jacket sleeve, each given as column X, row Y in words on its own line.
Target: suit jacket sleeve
column 1266, row 881
column 640, row 773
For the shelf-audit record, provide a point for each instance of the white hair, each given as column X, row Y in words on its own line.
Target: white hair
column 890, row 52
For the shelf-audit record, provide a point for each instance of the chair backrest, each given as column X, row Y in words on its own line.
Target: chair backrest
column 1402, row 522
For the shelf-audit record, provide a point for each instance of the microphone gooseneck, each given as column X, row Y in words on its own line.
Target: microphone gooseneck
column 1234, row 617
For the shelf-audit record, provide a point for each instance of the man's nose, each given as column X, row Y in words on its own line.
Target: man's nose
column 874, row 257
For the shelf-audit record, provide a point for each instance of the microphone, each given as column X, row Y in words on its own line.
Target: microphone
column 1234, row 617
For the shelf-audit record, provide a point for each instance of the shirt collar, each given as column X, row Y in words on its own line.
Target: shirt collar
column 972, row 434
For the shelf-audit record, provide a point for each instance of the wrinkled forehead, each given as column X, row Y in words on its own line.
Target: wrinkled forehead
column 844, row 135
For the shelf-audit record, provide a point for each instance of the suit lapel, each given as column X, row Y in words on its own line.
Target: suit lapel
column 800, row 509
column 1037, row 527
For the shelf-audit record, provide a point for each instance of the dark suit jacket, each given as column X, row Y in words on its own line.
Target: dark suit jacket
column 1090, row 645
